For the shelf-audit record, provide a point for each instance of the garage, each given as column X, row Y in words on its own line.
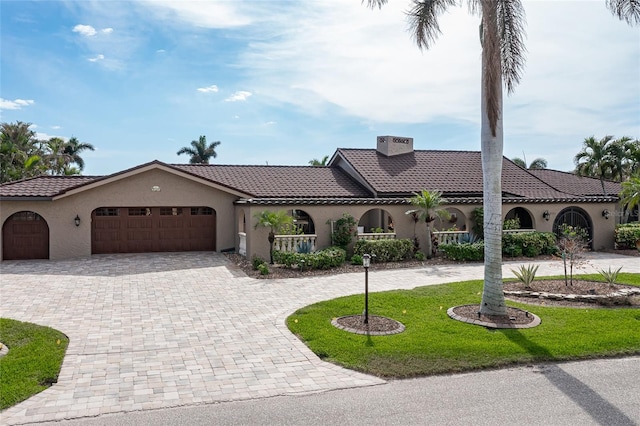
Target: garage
column 25, row 235
column 152, row 229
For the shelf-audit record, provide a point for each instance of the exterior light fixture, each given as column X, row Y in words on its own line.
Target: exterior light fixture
column 606, row 213
column 366, row 261
column 546, row 215
column 76, row 220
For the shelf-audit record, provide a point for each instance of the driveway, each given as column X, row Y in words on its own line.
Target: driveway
column 151, row 331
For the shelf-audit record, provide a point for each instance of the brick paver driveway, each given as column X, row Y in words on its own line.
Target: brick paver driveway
column 160, row 330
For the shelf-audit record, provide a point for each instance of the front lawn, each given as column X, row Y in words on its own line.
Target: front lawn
column 33, row 362
column 433, row 343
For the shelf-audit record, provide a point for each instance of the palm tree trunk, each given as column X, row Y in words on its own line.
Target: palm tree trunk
column 493, row 302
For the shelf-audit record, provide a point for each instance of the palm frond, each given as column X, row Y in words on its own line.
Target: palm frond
column 511, row 22
column 375, row 3
column 625, row 10
column 423, row 20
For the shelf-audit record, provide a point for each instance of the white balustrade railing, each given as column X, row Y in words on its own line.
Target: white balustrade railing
column 450, row 237
column 376, row 236
column 295, row 243
column 516, row 231
column 242, row 248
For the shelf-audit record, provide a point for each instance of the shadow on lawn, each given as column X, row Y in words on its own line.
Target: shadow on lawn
column 601, row 410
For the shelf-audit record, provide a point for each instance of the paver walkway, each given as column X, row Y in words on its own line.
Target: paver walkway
column 151, row 331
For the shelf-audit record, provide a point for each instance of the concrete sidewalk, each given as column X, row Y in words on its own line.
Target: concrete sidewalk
column 151, row 331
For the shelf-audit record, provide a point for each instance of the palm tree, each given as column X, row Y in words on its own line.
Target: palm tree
column 275, row 221
column 73, row 148
column 58, row 161
column 501, row 39
column 199, row 151
column 630, row 194
column 315, row 162
column 594, row 159
column 537, row 164
column 427, row 205
column 19, row 152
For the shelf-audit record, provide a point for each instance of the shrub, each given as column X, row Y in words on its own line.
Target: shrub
column 530, row 244
column 345, row 229
column 609, row 275
column 419, row 256
column 263, row 268
column 324, row 259
column 627, row 235
column 511, row 223
column 256, row 261
column 356, row 259
column 463, row 251
column 390, row 250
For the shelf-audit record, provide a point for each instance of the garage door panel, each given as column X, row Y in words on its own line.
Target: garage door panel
column 155, row 229
column 25, row 235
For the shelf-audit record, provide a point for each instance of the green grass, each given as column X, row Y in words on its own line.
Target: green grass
column 433, row 343
column 33, row 362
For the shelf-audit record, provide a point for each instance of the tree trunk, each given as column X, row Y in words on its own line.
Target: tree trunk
column 493, row 302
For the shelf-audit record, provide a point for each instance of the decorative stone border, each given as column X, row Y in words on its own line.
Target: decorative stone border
column 3, row 349
column 536, row 320
column 399, row 329
column 588, row 298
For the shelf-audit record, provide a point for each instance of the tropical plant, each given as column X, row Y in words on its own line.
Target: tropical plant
column 20, row 153
column 609, row 275
column 316, row 163
column 345, row 229
column 199, row 151
column 427, row 205
column 526, row 274
column 630, row 194
column 275, row 221
column 537, row 164
column 73, row 147
column 57, row 160
column 501, row 40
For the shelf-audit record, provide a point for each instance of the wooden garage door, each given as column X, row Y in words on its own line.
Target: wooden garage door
column 152, row 229
column 25, row 235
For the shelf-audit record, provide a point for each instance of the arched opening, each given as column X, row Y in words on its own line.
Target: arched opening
column 522, row 215
column 25, row 235
column 375, row 221
column 575, row 217
column 457, row 221
column 303, row 221
column 242, row 233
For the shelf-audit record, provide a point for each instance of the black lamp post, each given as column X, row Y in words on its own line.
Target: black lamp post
column 366, row 261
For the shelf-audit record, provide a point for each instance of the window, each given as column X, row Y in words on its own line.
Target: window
column 170, row 211
column 107, row 211
column 140, row 211
column 201, row 211
column 26, row 216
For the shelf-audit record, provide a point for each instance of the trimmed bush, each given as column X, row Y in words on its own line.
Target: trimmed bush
column 391, row 250
column 627, row 235
column 256, row 261
column 356, row 259
column 263, row 268
column 324, row 259
column 463, row 251
column 530, row 244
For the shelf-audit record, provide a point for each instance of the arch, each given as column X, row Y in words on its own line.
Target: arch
column 524, row 215
column 573, row 216
column 25, row 235
column 457, row 220
column 374, row 220
column 242, row 232
column 302, row 220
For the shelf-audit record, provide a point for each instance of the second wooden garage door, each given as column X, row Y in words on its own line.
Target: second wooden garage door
column 152, row 229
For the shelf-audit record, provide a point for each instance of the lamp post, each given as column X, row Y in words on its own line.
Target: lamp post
column 366, row 261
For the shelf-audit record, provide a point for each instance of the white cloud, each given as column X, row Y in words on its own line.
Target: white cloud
column 270, row 123
column 15, row 104
column 205, row 14
column 238, row 96
column 106, row 30
column 96, row 58
column 85, row 30
column 56, row 127
column 210, row 89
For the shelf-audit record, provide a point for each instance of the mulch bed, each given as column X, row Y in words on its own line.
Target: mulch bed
column 377, row 325
column 514, row 316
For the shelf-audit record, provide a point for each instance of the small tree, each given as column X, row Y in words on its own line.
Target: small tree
column 572, row 244
column 427, row 205
column 344, row 230
column 275, row 221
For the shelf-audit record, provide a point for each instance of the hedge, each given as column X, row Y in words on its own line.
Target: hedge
column 390, row 250
column 627, row 235
column 324, row 259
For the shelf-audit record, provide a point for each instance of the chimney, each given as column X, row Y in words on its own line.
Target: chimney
column 394, row 145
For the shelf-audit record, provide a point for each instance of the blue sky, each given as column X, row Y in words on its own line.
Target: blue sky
column 283, row 82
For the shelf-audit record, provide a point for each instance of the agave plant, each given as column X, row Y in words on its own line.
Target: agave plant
column 526, row 274
column 609, row 275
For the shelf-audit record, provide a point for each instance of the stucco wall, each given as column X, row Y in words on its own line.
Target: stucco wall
column 67, row 241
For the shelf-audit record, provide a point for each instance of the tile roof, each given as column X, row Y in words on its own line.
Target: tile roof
column 43, row 186
column 280, row 181
column 451, row 172
column 577, row 185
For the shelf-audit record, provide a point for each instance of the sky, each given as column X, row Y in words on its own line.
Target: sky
column 283, row 82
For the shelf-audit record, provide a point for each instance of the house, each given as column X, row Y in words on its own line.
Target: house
column 157, row 207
